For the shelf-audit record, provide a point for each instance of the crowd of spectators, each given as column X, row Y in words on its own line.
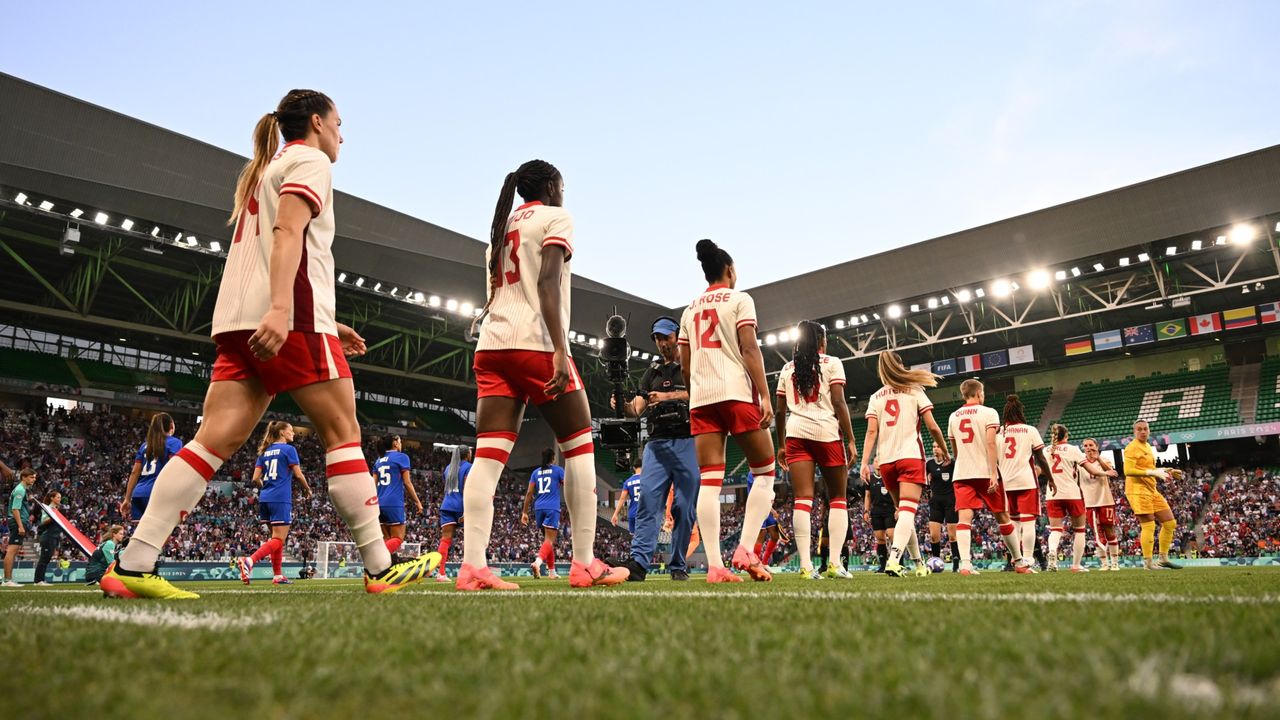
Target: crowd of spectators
column 1243, row 516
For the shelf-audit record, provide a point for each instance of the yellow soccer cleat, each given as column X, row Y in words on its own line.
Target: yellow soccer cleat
column 402, row 574
column 893, row 568
column 922, row 570
column 145, row 585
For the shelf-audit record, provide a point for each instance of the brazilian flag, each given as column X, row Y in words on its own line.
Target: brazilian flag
column 1171, row 329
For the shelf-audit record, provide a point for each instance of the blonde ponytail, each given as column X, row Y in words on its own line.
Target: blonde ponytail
column 266, row 141
column 896, row 375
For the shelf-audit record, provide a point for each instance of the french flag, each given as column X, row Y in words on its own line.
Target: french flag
column 969, row 363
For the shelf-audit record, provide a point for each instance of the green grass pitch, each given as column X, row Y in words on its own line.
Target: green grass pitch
column 1194, row 643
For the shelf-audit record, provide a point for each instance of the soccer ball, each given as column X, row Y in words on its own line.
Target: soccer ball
column 935, row 564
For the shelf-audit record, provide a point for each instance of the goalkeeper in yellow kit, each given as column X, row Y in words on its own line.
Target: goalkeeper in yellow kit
column 1140, row 476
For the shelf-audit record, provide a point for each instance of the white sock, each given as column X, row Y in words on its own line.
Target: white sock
column 709, row 513
column 904, row 530
column 913, row 544
column 1115, row 553
column 964, row 539
column 492, row 451
column 759, row 501
column 1009, row 534
column 1028, row 529
column 580, row 492
column 837, row 529
column 1055, row 539
column 801, row 525
column 177, row 489
column 1077, row 547
column 355, row 497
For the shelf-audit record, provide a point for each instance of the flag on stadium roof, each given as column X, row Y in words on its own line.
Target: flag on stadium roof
column 945, row 368
column 1140, row 335
column 1205, row 324
column 1269, row 312
column 969, row 363
column 1239, row 318
column 1081, row 345
column 1021, row 354
column 1107, row 340
column 995, row 359
column 1171, row 329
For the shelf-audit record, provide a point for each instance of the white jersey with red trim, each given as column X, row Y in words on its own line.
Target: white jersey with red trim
column 967, row 428
column 515, row 315
column 709, row 326
column 1015, row 445
column 1064, row 462
column 1096, row 490
column 244, row 294
column 897, row 414
column 812, row 417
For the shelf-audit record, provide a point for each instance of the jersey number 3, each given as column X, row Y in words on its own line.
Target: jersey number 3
column 512, row 276
column 707, row 336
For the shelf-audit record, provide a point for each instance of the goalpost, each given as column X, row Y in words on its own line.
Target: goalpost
column 335, row 559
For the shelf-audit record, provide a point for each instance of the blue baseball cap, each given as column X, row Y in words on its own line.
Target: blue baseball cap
column 664, row 326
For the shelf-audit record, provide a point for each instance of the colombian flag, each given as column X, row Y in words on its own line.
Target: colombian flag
column 1239, row 318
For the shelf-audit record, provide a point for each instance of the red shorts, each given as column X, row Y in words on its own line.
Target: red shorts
column 973, row 495
column 732, row 417
column 519, row 374
column 1064, row 508
column 1102, row 516
column 902, row 471
column 1023, row 502
column 305, row 359
column 823, row 454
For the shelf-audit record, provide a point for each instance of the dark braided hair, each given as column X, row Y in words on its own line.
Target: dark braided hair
column 532, row 180
column 714, row 260
column 292, row 119
column 1014, row 414
column 805, row 356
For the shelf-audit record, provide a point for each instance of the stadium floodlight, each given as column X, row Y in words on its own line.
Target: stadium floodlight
column 1196, row 245
column 178, row 238
column 46, row 206
column 394, row 290
column 1278, row 227
column 434, row 301
column 784, row 336
column 1124, row 262
column 595, row 342
column 1099, row 267
column 1171, row 250
column 979, row 293
column 875, row 315
column 451, row 305
column 126, row 224
column 418, row 297
column 155, row 231
column 1060, row 275
column 864, row 318
column 915, row 307
column 1001, row 288
column 76, row 213
column 359, row 282
column 192, row 241
column 894, row 312
column 342, row 277
column 839, row 323
column 20, row 198
column 933, row 303
column 1038, row 279
column 377, row 286
column 1143, row 257
column 466, row 308
column 101, row 218
column 963, row 295
column 1243, row 234
column 1220, row 240
column 1075, row 272
column 946, row 300
column 215, row 246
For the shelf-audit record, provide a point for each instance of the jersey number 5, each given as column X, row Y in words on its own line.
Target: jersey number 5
column 512, row 276
column 707, row 337
column 966, row 427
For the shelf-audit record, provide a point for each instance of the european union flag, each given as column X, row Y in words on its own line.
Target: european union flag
column 995, row 359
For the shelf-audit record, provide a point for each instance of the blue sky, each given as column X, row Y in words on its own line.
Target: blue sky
column 797, row 136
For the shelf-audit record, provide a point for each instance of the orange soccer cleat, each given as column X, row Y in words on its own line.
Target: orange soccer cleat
column 744, row 559
column 598, row 573
column 722, row 575
column 471, row 578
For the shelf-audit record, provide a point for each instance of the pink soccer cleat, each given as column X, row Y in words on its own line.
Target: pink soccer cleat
column 968, row 571
column 722, row 575
column 246, row 567
column 470, row 578
column 744, row 559
column 597, row 573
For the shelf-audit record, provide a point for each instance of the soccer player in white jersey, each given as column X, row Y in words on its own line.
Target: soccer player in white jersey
column 523, row 357
column 812, row 416
column 1100, row 503
column 972, row 430
column 728, row 395
column 1065, row 498
column 275, row 328
column 1020, row 454
column 893, row 441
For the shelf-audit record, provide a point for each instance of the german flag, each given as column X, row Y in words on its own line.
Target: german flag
column 1082, row 345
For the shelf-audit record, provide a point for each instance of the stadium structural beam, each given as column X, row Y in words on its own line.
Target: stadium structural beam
column 81, row 285
column 142, row 298
column 22, row 263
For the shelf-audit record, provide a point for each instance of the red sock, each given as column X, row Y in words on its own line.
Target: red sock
column 277, row 560
column 768, row 551
column 757, row 549
column 547, row 554
column 393, row 544
column 266, row 549
column 444, row 550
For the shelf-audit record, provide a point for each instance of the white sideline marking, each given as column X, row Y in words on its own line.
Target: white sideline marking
column 148, row 617
column 1199, row 692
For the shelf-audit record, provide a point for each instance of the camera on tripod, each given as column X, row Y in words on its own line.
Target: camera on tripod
column 618, row 433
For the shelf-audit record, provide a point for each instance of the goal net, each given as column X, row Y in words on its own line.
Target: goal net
column 342, row 560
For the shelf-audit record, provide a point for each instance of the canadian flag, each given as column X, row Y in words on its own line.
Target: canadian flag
column 1205, row 324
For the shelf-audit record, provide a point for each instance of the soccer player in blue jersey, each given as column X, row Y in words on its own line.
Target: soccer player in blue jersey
column 147, row 464
column 391, row 475
column 455, row 479
column 275, row 471
column 545, row 482
column 629, row 496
